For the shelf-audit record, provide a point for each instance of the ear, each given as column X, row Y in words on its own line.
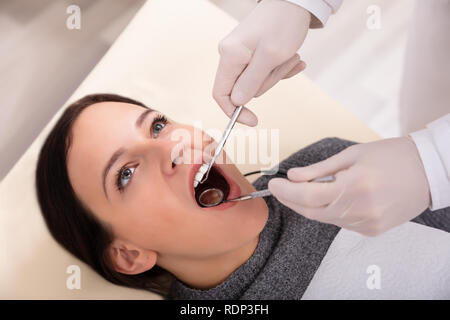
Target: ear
column 130, row 259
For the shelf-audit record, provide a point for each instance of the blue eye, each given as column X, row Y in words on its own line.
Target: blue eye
column 158, row 124
column 123, row 177
column 157, row 128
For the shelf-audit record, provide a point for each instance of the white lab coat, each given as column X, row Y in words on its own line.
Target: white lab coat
column 425, row 92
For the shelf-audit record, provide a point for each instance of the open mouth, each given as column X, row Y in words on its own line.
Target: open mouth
column 215, row 180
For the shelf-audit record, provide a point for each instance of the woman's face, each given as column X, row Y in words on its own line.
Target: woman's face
column 147, row 199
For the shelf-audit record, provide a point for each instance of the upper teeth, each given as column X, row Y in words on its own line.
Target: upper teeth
column 198, row 176
column 203, row 168
column 200, row 173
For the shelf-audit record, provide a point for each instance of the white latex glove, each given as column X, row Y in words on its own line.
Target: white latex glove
column 258, row 53
column 378, row 186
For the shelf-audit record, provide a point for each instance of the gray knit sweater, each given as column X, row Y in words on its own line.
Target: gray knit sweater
column 290, row 247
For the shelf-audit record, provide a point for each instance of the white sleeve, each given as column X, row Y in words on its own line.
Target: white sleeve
column 433, row 144
column 319, row 9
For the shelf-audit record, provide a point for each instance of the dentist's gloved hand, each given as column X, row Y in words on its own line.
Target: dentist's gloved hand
column 258, row 53
column 378, row 186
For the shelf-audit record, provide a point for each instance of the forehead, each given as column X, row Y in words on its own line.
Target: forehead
column 97, row 133
column 109, row 113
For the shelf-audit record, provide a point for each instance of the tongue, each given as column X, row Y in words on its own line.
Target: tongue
column 215, row 180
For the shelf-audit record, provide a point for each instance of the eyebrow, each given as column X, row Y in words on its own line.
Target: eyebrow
column 116, row 155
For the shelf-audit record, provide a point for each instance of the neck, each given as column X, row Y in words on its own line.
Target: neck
column 209, row 272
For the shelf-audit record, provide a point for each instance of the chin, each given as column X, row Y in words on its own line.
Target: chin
column 251, row 216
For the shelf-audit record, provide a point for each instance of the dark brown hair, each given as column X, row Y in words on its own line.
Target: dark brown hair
column 69, row 221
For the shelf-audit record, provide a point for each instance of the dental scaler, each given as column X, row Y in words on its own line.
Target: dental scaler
column 203, row 172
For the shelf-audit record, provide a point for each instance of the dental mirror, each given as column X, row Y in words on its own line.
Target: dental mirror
column 210, row 197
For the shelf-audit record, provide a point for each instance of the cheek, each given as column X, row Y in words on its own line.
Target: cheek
column 150, row 221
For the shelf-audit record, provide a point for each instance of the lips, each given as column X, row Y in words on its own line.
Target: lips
column 232, row 190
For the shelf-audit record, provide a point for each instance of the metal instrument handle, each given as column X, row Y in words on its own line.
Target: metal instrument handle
column 221, row 144
column 266, row 192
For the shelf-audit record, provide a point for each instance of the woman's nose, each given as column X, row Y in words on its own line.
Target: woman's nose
column 171, row 152
column 174, row 154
